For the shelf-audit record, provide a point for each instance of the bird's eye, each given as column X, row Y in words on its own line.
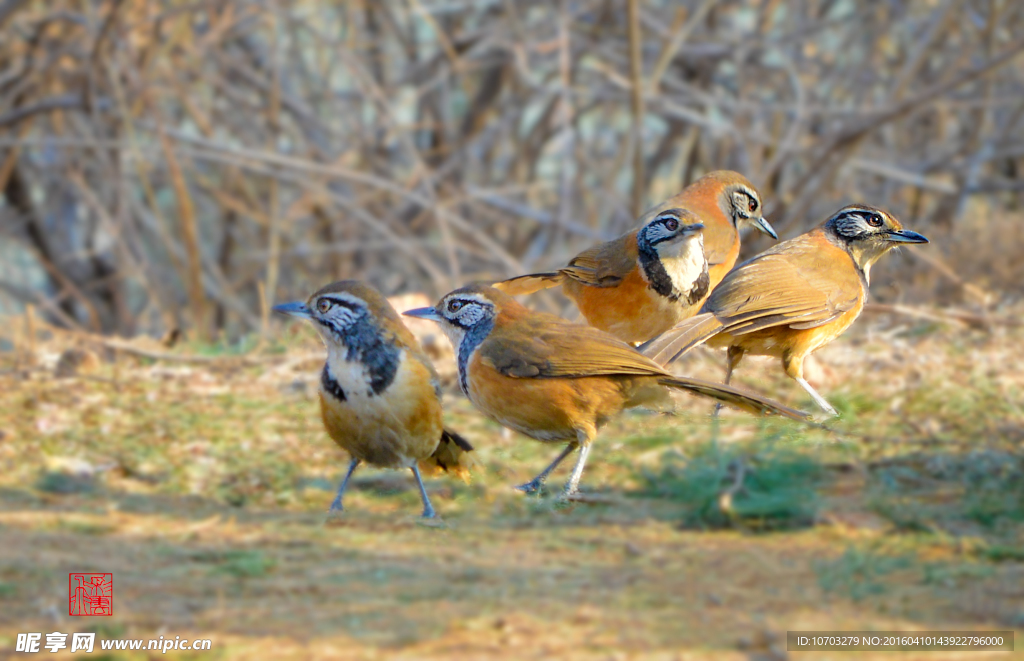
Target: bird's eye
column 323, row 305
column 671, row 224
column 875, row 220
column 752, row 205
column 454, row 306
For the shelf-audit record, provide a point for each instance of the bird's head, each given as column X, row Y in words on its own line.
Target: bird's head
column 868, row 233
column 345, row 313
column 466, row 310
column 740, row 201
column 669, row 229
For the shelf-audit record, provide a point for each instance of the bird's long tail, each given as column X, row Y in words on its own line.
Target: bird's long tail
column 741, row 398
column 454, row 454
column 681, row 338
column 528, row 284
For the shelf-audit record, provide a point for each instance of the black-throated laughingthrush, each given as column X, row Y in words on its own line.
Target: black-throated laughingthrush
column 554, row 380
column 793, row 298
column 651, row 278
column 380, row 398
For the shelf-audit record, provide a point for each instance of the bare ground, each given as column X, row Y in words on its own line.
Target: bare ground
column 203, row 487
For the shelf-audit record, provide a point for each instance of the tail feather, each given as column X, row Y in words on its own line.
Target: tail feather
column 738, row 397
column 454, row 454
column 528, row 284
column 681, row 338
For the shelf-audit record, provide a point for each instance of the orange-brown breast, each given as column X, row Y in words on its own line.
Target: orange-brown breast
column 632, row 311
column 717, row 272
column 393, row 429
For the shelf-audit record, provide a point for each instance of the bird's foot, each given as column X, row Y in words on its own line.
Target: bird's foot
column 531, row 487
column 335, row 515
column 568, row 494
column 827, row 415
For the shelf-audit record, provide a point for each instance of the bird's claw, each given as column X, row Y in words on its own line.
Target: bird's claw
column 531, row 487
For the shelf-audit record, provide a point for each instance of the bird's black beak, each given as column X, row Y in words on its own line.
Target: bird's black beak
column 294, row 309
column 689, row 230
column 424, row 313
column 763, row 225
column 906, row 236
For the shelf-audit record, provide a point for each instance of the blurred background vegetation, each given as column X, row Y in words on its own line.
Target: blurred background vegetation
column 171, row 164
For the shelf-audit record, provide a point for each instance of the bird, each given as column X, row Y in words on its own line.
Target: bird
column 380, row 398
column 638, row 285
column 651, row 278
column 793, row 298
column 554, row 380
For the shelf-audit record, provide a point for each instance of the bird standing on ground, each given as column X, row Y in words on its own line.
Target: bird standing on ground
column 380, row 399
column 793, row 298
column 651, row 278
column 557, row 381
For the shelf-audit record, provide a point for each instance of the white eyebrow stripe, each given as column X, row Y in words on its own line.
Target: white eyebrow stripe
column 344, row 297
column 475, row 298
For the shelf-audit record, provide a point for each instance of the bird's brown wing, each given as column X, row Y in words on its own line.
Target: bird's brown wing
column 545, row 346
column 529, row 284
column 604, row 265
column 799, row 283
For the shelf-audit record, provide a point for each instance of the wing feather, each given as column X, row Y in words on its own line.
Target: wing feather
column 556, row 348
column 605, row 265
column 799, row 288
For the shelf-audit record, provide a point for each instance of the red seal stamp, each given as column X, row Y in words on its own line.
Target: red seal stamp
column 90, row 594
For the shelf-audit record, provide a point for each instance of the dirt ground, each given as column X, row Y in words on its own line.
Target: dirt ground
column 203, row 487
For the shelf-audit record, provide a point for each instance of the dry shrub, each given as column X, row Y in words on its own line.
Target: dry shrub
column 182, row 165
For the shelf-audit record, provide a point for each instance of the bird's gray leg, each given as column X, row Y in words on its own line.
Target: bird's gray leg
column 534, row 485
column 572, row 486
column 735, row 355
column 336, row 505
column 428, row 509
column 819, row 400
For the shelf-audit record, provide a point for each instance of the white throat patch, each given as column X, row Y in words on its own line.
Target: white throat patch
column 683, row 261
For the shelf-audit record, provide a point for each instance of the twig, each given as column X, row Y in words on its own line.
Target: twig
column 636, row 105
column 52, row 104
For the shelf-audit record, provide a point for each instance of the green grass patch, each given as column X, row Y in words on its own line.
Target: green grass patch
column 945, row 491
column 759, row 486
column 65, row 483
column 1003, row 553
column 858, row 573
column 953, row 575
column 242, row 563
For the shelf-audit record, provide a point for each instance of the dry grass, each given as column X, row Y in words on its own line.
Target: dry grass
column 204, row 487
